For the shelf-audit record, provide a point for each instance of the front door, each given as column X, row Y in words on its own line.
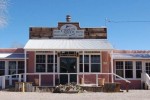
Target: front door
column 68, row 65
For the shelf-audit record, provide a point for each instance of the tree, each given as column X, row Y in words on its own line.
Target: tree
column 3, row 12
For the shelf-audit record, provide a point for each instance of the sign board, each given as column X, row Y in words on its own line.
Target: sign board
column 68, row 31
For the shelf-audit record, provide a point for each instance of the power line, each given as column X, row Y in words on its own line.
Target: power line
column 126, row 21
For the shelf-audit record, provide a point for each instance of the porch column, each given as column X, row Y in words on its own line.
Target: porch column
column 83, row 66
column 25, row 65
column 112, row 76
column 53, row 68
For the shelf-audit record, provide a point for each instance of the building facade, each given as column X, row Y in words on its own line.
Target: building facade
column 68, row 53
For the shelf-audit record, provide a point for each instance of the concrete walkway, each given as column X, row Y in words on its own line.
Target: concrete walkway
column 131, row 95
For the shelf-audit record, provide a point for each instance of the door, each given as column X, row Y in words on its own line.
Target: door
column 68, row 65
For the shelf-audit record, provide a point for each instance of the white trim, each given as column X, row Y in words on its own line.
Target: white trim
column 53, row 68
column 83, row 66
column 25, row 66
column 112, row 78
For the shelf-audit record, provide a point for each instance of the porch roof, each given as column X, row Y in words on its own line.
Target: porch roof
column 131, row 56
column 11, row 56
column 68, row 44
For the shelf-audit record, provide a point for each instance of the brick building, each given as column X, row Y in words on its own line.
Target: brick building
column 68, row 53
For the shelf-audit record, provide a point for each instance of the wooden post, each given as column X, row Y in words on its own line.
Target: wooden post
column 127, row 86
column 23, row 87
column 39, row 79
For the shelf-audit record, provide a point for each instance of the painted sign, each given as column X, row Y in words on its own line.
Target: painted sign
column 68, row 31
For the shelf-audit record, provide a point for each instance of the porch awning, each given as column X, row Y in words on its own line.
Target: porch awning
column 68, row 44
column 131, row 56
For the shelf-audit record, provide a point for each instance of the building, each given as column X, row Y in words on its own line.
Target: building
column 68, row 53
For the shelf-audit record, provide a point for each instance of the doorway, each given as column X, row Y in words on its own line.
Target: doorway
column 68, row 65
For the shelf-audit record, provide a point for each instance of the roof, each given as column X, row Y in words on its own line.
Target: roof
column 11, row 50
column 11, row 56
column 68, row 44
column 131, row 56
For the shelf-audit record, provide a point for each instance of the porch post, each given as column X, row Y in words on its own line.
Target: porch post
column 53, row 68
column 83, row 66
column 112, row 77
column 3, row 82
column 25, row 65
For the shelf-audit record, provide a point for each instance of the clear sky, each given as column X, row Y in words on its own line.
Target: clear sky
column 90, row 13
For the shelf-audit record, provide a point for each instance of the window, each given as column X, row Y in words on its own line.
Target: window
column 119, row 68
column 138, row 69
column 12, row 67
column 50, row 63
column 128, row 69
column 2, row 68
column 44, row 63
column 91, row 63
column 40, row 63
column 20, row 67
column 95, row 63
column 147, row 64
column 86, row 63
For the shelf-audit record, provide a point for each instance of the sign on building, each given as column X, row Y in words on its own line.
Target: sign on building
column 68, row 31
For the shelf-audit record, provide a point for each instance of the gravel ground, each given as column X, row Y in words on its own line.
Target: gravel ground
column 131, row 95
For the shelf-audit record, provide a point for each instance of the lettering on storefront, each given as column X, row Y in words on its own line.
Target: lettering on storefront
column 68, row 31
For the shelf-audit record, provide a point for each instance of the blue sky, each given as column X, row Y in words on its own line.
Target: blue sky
column 23, row 14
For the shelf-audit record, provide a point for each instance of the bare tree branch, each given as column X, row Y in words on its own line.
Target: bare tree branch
column 3, row 12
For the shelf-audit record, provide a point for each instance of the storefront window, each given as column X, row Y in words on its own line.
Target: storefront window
column 12, row 67
column 40, row 68
column 86, row 63
column 2, row 68
column 95, row 63
column 147, row 64
column 20, row 67
column 119, row 68
column 44, row 63
column 40, row 63
column 128, row 69
column 138, row 69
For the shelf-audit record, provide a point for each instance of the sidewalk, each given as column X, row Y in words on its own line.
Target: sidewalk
column 131, row 95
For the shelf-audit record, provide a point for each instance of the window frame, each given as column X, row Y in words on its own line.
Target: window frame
column 46, row 54
column 90, row 62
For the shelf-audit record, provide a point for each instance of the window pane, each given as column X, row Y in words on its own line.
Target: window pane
column 12, row 72
column 95, row 58
column 50, row 59
column 2, row 65
column 95, row 67
column 138, row 65
column 50, row 68
column 20, row 64
column 40, row 58
column 138, row 73
column 119, row 64
column 81, row 59
column 86, row 59
column 119, row 72
column 20, row 71
column 2, row 72
column 128, row 65
column 40, row 67
column 12, row 64
column 81, row 68
column 128, row 74
column 86, row 67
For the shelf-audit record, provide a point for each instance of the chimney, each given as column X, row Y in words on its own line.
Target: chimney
column 68, row 18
